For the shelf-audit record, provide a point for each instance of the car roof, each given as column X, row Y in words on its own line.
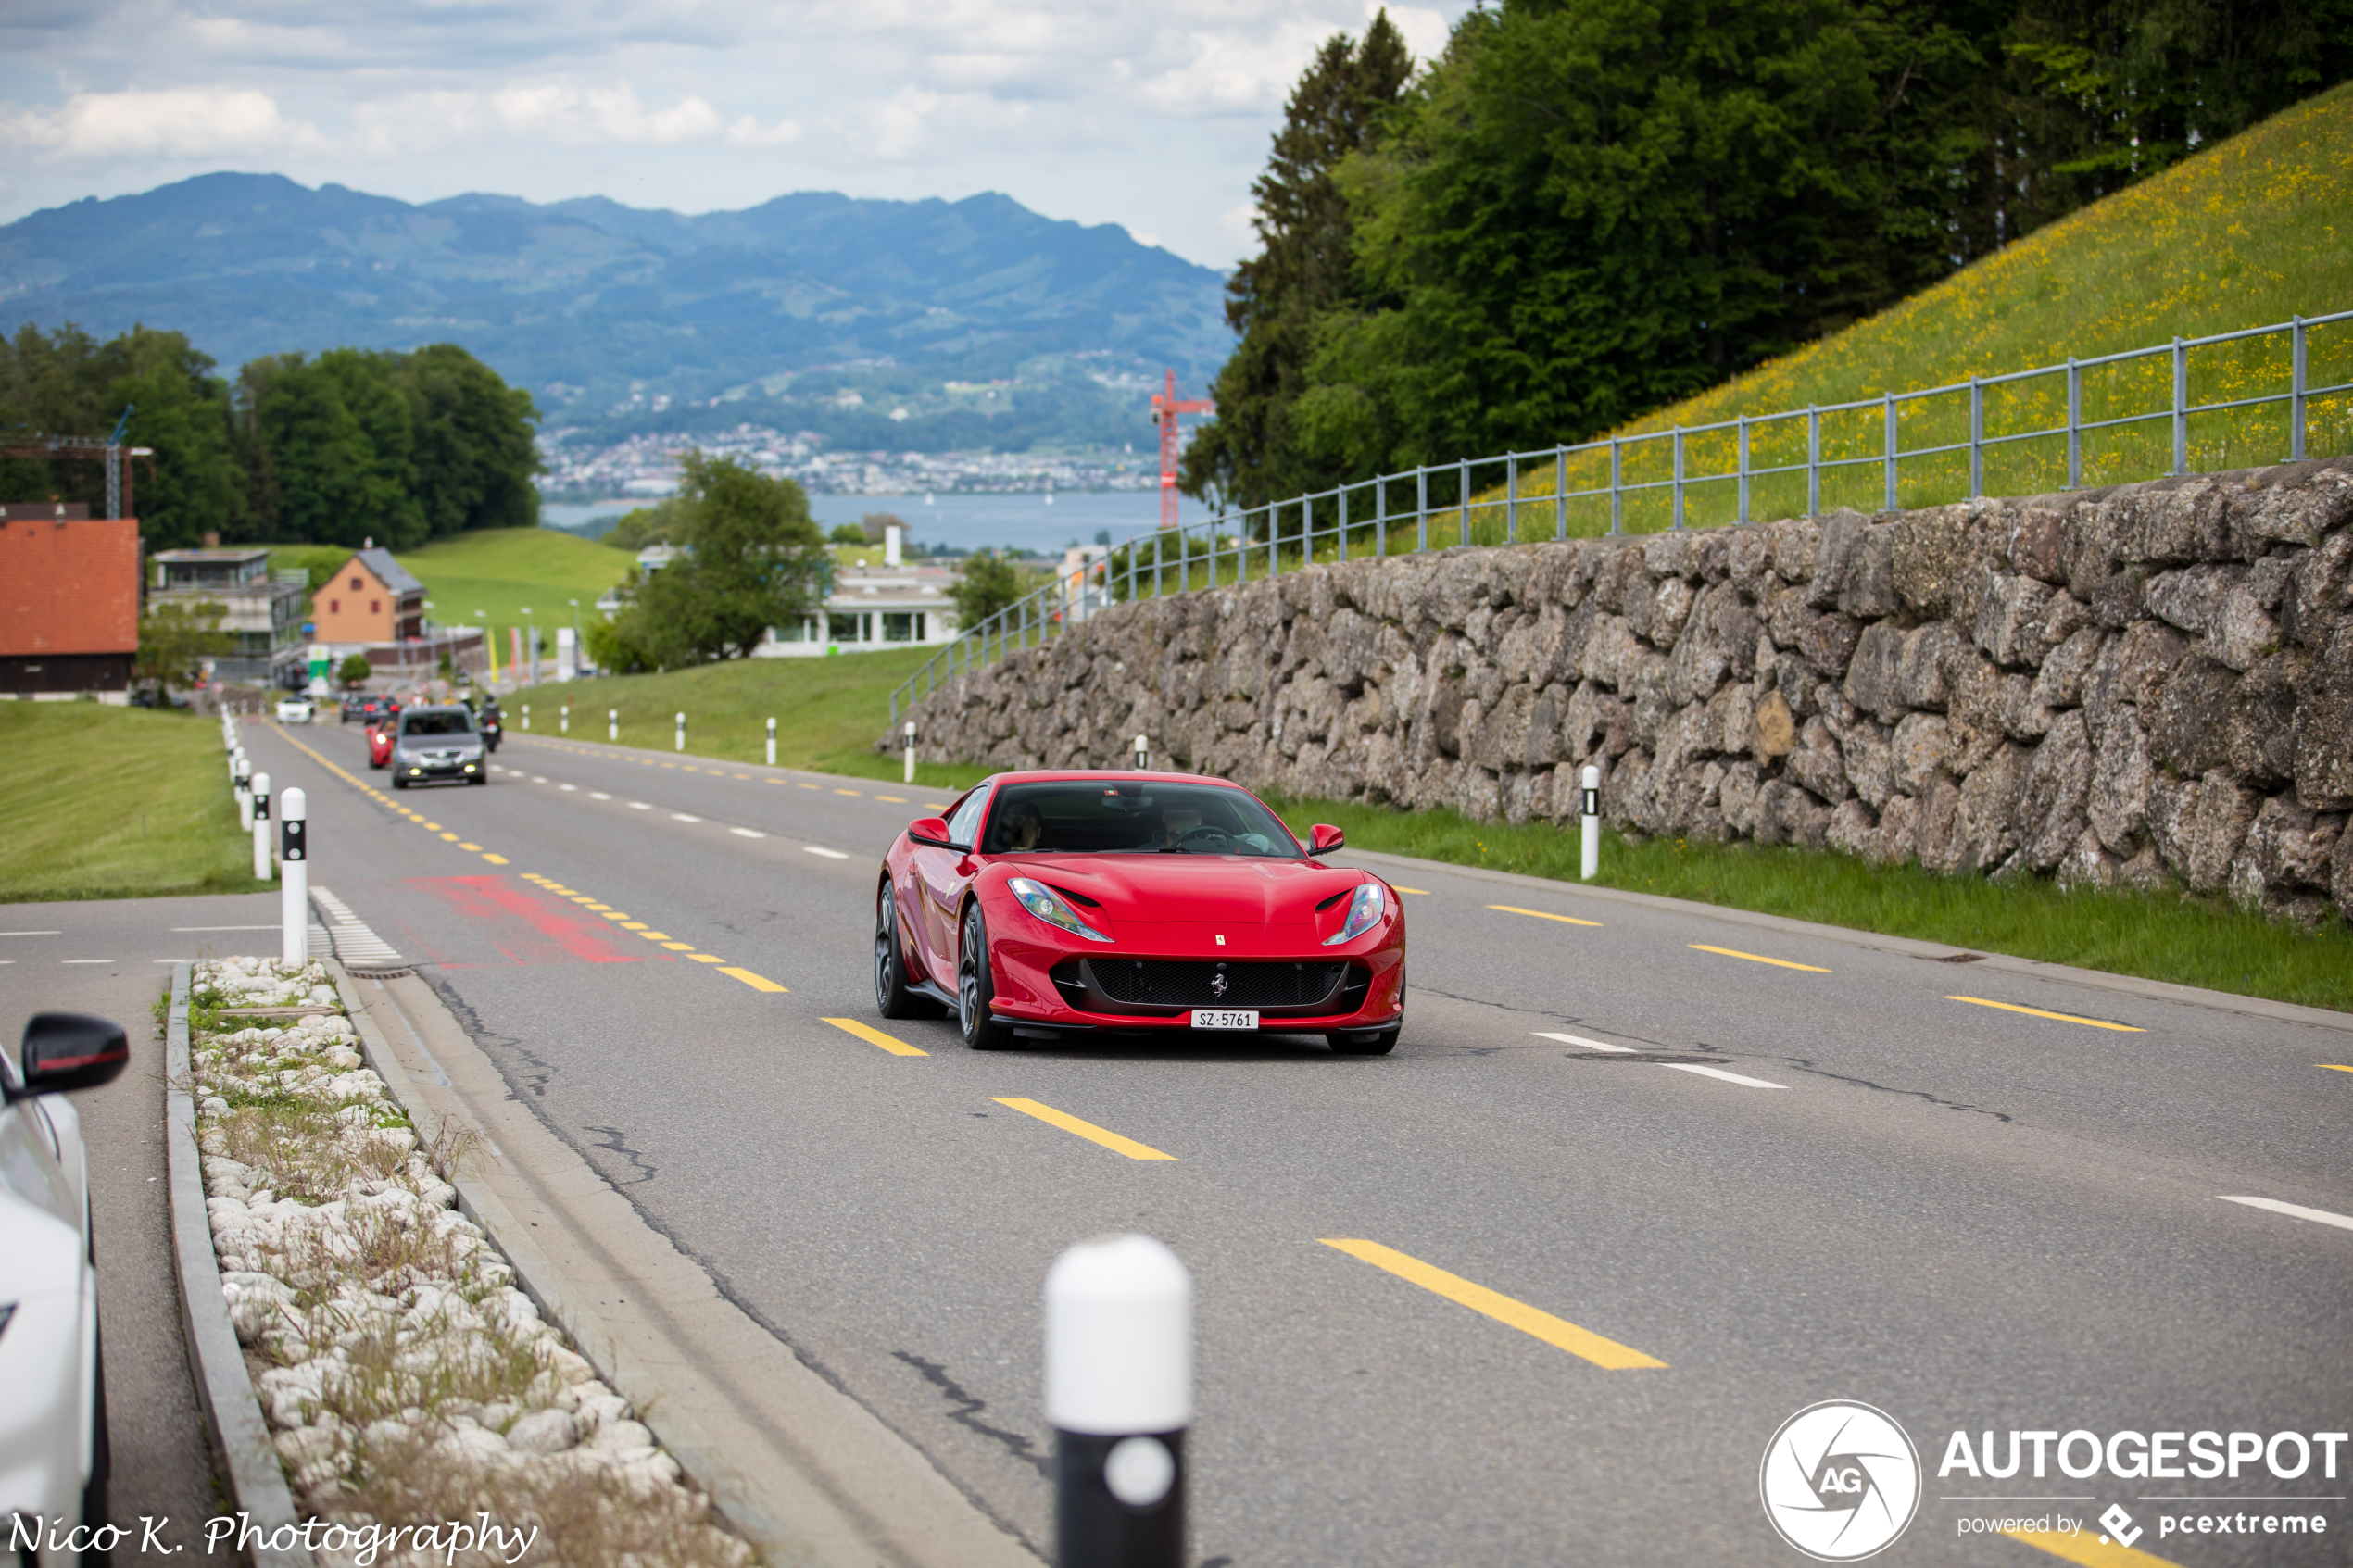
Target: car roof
column 436, row 707
column 1090, row 775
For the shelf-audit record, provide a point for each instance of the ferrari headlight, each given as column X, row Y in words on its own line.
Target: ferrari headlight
column 1364, row 913
column 1041, row 901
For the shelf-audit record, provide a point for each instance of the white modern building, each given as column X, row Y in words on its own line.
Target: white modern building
column 872, row 609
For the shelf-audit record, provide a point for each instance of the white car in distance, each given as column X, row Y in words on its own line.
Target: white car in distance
column 53, row 1417
column 295, row 709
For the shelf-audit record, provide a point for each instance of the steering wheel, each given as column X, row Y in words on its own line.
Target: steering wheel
column 1188, row 836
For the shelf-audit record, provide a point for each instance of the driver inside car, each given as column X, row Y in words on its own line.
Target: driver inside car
column 1175, row 825
column 1018, row 829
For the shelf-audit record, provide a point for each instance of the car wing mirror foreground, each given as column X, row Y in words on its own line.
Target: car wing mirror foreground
column 1323, row 838
column 68, row 1051
column 932, row 830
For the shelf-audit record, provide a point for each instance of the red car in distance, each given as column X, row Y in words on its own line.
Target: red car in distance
column 383, row 726
column 1056, row 905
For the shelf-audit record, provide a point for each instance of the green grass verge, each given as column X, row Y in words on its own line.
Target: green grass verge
column 827, row 712
column 2188, row 941
column 115, row 803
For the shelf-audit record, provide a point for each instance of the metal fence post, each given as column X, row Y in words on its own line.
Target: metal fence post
column 2180, row 407
column 1888, row 398
column 1560, row 491
column 1343, row 552
column 1617, row 490
column 1744, row 465
column 1421, row 508
column 2296, row 391
column 2074, row 424
column 1381, row 515
column 1510, row 499
column 1462, row 508
column 1678, row 476
column 1976, row 438
column 1813, row 461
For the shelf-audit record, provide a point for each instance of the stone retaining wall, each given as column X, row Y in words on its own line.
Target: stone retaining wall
column 2145, row 686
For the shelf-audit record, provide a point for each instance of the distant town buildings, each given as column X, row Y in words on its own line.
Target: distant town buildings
column 263, row 610
column 372, row 598
column 69, row 603
column 648, row 466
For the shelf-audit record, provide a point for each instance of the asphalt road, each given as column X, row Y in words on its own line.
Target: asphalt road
column 2006, row 1212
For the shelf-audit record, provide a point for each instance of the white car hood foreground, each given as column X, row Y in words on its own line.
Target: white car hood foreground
column 49, row 1342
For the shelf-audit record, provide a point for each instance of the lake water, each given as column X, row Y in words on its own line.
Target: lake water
column 970, row 521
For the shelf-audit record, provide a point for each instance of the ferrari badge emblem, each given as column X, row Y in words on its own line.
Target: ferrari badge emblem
column 1217, row 985
column 1221, row 941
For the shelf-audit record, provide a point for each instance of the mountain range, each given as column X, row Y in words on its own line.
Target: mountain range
column 602, row 310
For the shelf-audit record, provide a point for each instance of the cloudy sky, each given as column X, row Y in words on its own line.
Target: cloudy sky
column 1154, row 114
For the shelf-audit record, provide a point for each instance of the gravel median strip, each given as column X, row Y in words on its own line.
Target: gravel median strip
column 406, row 1380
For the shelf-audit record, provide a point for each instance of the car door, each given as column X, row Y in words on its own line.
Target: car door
column 941, row 880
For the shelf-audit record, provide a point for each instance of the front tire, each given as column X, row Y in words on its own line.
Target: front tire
column 399, row 783
column 976, row 991
column 893, row 997
column 1380, row 1044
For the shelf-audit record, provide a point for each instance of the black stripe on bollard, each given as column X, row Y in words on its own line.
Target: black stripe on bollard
column 1119, row 1502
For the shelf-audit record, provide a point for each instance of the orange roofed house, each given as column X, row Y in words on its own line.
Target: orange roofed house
column 370, row 599
column 68, row 602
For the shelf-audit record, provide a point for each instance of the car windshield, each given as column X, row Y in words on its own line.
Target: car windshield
column 451, row 724
column 1115, row 816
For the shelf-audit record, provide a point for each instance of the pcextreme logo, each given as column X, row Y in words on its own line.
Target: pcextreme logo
column 1840, row 1481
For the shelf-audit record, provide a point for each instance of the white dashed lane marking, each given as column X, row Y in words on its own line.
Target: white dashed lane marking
column 748, row 833
column 828, row 854
column 1581, row 1040
column 1719, row 1072
column 2295, row 1210
column 682, row 817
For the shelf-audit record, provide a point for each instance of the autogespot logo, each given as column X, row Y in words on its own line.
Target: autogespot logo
column 1840, row 1481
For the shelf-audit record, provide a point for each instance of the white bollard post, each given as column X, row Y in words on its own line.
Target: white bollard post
column 293, row 859
column 682, row 732
column 612, row 724
column 240, row 781
column 563, row 720
column 911, row 751
column 1143, row 755
column 1119, row 1396
column 526, row 718
column 771, row 743
column 1590, row 858
column 261, row 827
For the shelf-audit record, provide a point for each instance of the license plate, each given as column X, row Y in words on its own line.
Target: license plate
column 1203, row 1018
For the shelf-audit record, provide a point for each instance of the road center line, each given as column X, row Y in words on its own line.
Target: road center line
column 1719, row 1072
column 1581, row 1040
column 2038, row 1012
column 828, row 854
column 1417, row 892
column 748, row 833
column 2295, row 1210
column 2330, row 1066
column 1557, row 1332
column 1087, row 1130
column 1538, row 914
column 1757, row 957
column 873, row 1036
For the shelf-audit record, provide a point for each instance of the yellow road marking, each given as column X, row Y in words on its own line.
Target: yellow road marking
column 495, row 860
column 1087, row 1130
column 1539, row 914
column 1417, row 892
column 680, row 947
column 2332, row 1067
column 469, row 846
column 845, row 792
column 705, row 958
column 2062, row 1017
column 894, row 799
column 432, row 827
column 2091, row 1551
column 450, row 836
column 633, row 925
column 616, row 915
column 655, row 936
column 806, row 786
column 876, row 1038
column 740, row 776
column 757, row 982
column 1759, row 957
column 936, row 805
column 1557, row 1332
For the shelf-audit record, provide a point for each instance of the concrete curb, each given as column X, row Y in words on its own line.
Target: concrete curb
column 257, row 1482
column 2061, row 974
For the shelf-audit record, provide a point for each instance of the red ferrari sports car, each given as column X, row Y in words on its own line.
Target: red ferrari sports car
column 379, row 739
column 1053, row 905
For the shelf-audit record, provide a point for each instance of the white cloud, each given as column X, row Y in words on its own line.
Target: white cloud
column 749, row 132
column 582, row 117
column 175, row 122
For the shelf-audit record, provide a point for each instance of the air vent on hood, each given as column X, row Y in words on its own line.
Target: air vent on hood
column 1077, row 897
column 1334, row 900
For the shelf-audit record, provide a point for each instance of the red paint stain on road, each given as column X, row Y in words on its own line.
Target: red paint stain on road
column 527, row 927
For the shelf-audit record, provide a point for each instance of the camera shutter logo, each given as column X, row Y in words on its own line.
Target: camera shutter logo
column 1840, row 1481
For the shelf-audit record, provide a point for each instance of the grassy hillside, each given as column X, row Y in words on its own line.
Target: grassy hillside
column 115, row 803
column 2248, row 232
column 827, row 712
column 486, row 578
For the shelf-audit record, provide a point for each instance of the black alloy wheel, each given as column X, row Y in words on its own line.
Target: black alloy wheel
column 976, row 992
column 893, row 997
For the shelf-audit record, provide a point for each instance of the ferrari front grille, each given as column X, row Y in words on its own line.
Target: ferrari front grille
column 1180, row 983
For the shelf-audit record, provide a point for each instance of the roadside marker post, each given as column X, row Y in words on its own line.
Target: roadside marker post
column 563, row 720
column 293, row 859
column 1119, row 1396
column 682, row 732
column 526, row 718
column 771, row 743
column 240, row 781
column 1590, row 857
column 910, row 750
column 261, row 827
column 612, row 724
column 1143, row 755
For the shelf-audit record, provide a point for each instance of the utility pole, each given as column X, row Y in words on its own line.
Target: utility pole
column 1165, row 408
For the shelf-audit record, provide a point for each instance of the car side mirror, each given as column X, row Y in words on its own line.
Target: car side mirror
column 932, row 830
column 68, row 1051
column 1323, row 838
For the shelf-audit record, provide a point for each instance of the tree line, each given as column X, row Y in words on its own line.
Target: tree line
column 333, row 448
column 1584, row 211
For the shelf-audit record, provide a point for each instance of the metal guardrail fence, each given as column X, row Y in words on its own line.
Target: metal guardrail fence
column 1235, row 546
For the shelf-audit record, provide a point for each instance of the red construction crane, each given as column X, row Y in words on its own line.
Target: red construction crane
column 1165, row 408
